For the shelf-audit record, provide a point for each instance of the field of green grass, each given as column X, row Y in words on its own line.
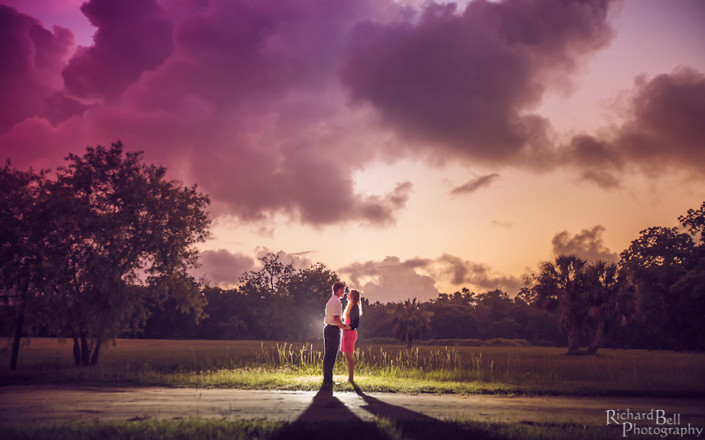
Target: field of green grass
column 381, row 429
column 386, row 367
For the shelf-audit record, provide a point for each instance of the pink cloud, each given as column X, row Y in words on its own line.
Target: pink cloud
column 223, row 268
column 663, row 130
column 393, row 279
column 475, row 184
column 667, row 121
column 132, row 37
column 587, row 244
column 252, row 99
column 240, row 97
column 462, row 84
column 32, row 58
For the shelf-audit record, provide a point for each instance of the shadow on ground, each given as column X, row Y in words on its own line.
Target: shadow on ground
column 327, row 417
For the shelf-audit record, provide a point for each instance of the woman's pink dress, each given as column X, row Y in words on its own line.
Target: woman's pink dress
column 348, row 338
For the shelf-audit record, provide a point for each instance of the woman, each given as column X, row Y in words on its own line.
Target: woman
column 352, row 319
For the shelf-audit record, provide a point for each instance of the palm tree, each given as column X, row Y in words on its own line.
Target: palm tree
column 410, row 321
column 561, row 285
column 610, row 299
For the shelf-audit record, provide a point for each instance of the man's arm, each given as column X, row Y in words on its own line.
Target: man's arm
column 338, row 322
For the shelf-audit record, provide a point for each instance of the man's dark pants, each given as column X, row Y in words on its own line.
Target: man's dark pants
column 331, row 344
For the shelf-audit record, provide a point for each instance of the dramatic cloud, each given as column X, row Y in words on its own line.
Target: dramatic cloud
column 667, row 123
column 586, row 244
column 223, row 268
column 475, row 184
column 273, row 107
column 395, row 280
column 32, row 59
column 463, row 83
column 132, row 37
column 241, row 97
column 663, row 129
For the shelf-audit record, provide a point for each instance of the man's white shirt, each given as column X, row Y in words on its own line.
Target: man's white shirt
column 333, row 307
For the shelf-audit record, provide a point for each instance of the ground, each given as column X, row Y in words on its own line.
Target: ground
column 50, row 403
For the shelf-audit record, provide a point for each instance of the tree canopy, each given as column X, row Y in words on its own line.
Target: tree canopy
column 121, row 237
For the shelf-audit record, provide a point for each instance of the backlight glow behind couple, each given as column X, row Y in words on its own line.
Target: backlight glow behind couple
column 340, row 331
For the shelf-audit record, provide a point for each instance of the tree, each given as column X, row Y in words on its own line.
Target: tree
column 668, row 270
column 410, row 322
column 610, row 299
column 453, row 316
column 561, row 287
column 129, row 238
column 694, row 221
column 310, row 288
column 285, row 303
column 272, row 279
column 22, row 256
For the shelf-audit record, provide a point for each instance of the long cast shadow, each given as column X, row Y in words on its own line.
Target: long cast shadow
column 391, row 412
column 326, row 407
column 414, row 425
column 328, row 418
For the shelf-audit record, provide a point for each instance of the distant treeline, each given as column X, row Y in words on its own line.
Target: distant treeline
column 236, row 314
column 653, row 298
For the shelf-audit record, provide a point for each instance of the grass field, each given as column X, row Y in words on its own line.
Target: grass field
column 263, row 430
column 388, row 367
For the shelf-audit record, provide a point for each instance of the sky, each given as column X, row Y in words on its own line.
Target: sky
column 413, row 147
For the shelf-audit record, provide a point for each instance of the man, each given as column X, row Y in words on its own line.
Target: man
column 331, row 332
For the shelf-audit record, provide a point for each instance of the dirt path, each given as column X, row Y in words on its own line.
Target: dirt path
column 29, row 404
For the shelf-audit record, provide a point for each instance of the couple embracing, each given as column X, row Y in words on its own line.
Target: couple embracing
column 335, row 321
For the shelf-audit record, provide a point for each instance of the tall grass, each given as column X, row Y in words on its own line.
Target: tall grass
column 632, row 372
column 387, row 367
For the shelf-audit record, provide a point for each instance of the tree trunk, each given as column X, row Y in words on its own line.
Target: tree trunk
column 17, row 338
column 96, row 352
column 573, row 345
column 76, row 351
column 85, row 350
column 599, row 331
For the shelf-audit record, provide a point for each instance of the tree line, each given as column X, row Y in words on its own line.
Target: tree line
column 102, row 249
column 653, row 298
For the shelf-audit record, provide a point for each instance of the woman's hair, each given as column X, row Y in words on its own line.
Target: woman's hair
column 353, row 299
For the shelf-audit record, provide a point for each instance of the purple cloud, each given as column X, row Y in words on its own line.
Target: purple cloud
column 479, row 276
column 132, row 37
column 390, row 280
column 395, row 280
column 462, row 83
column 587, row 244
column 266, row 104
column 241, row 97
column 475, row 184
column 663, row 129
column 32, row 58
column 222, row 268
